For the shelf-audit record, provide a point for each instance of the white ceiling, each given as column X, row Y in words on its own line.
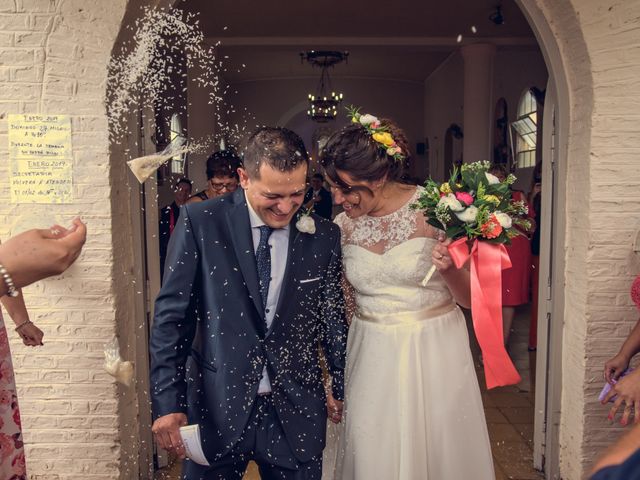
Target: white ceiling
column 405, row 40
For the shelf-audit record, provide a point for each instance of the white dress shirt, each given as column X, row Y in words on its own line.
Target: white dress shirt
column 279, row 245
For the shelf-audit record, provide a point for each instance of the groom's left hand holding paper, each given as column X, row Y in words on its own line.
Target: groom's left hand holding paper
column 167, row 432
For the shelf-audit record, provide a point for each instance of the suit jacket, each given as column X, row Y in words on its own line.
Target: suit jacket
column 324, row 207
column 165, row 227
column 209, row 340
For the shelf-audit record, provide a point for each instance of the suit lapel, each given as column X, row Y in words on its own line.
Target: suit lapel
column 240, row 228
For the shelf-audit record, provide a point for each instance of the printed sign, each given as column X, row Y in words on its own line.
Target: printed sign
column 41, row 159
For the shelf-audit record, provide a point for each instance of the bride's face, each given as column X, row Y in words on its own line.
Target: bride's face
column 356, row 197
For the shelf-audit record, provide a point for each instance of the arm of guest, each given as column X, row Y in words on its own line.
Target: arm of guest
column 615, row 366
column 17, row 310
column 173, row 328
column 40, row 253
column 334, row 325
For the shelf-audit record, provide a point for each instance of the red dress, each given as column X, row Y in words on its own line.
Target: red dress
column 516, row 280
column 12, row 464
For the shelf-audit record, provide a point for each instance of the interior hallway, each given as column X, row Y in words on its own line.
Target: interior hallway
column 509, row 412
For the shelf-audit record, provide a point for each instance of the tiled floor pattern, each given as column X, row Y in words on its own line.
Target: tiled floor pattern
column 509, row 413
column 509, row 410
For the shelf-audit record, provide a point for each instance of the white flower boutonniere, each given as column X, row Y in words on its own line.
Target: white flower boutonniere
column 306, row 224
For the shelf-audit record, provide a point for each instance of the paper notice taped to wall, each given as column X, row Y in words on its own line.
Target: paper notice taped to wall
column 41, row 159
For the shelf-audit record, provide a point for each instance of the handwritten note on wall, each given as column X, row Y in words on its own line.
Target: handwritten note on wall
column 41, row 158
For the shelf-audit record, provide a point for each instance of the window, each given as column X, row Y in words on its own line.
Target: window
column 177, row 162
column 526, row 131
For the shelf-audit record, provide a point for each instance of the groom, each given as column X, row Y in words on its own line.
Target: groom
column 246, row 302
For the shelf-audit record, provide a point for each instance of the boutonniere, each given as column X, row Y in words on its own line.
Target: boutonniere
column 306, row 224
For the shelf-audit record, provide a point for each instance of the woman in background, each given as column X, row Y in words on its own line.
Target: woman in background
column 24, row 259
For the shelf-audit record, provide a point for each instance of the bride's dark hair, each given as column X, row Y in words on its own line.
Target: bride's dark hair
column 354, row 151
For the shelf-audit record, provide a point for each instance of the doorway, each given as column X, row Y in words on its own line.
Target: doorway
column 547, row 399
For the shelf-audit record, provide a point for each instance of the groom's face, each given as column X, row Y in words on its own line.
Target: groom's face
column 276, row 196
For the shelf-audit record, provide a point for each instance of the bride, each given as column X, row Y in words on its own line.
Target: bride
column 412, row 403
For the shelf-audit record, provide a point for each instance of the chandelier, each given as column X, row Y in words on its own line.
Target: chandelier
column 323, row 105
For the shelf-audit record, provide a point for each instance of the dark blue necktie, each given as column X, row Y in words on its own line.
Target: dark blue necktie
column 263, row 260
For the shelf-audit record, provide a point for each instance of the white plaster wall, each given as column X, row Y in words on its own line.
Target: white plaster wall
column 53, row 57
column 443, row 106
column 515, row 71
column 602, row 190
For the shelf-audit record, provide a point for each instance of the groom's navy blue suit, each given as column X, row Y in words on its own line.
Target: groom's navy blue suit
column 209, row 340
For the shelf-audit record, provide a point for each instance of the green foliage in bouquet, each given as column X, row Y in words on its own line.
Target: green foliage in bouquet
column 474, row 204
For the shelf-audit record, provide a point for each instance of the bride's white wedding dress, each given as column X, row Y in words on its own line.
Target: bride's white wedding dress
column 413, row 409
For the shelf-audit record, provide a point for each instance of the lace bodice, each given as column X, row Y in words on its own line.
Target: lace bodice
column 389, row 282
column 382, row 233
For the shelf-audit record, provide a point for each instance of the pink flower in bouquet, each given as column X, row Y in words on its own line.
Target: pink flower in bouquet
column 491, row 228
column 464, row 197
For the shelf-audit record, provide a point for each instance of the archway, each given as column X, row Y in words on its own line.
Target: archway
column 560, row 86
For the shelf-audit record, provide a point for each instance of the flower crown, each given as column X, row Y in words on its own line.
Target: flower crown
column 379, row 133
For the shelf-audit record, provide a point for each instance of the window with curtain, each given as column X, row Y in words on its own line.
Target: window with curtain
column 525, row 130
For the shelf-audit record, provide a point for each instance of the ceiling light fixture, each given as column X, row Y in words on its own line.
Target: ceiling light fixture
column 497, row 17
column 323, row 105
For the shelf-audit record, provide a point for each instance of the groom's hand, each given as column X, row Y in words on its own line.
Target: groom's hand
column 167, row 432
column 334, row 409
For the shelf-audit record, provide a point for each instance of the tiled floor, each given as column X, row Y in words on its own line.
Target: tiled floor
column 509, row 413
column 509, row 410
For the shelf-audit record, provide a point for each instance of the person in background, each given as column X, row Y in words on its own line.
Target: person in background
column 24, row 259
column 169, row 216
column 222, row 176
column 625, row 390
column 318, row 198
column 39, row 253
column 515, row 280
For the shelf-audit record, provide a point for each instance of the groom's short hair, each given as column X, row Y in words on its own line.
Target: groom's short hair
column 278, row 147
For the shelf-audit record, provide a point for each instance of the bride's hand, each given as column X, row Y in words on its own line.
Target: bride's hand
column 334, row 408
column 440, row 255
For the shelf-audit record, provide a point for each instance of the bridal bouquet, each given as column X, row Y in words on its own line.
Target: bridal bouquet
column 474, row 204
column 475, row 209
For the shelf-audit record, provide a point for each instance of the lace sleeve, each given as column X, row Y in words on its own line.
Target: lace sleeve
column 343, row 223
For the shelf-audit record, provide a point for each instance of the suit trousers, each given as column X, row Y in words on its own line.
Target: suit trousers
column 262, row 441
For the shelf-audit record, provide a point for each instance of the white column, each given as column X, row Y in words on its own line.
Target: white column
column 478, row 101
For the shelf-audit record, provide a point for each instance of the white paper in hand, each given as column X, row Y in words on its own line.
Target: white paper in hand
column 192, row 444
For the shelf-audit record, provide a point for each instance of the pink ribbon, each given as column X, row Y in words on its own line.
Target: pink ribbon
column 487, row 262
